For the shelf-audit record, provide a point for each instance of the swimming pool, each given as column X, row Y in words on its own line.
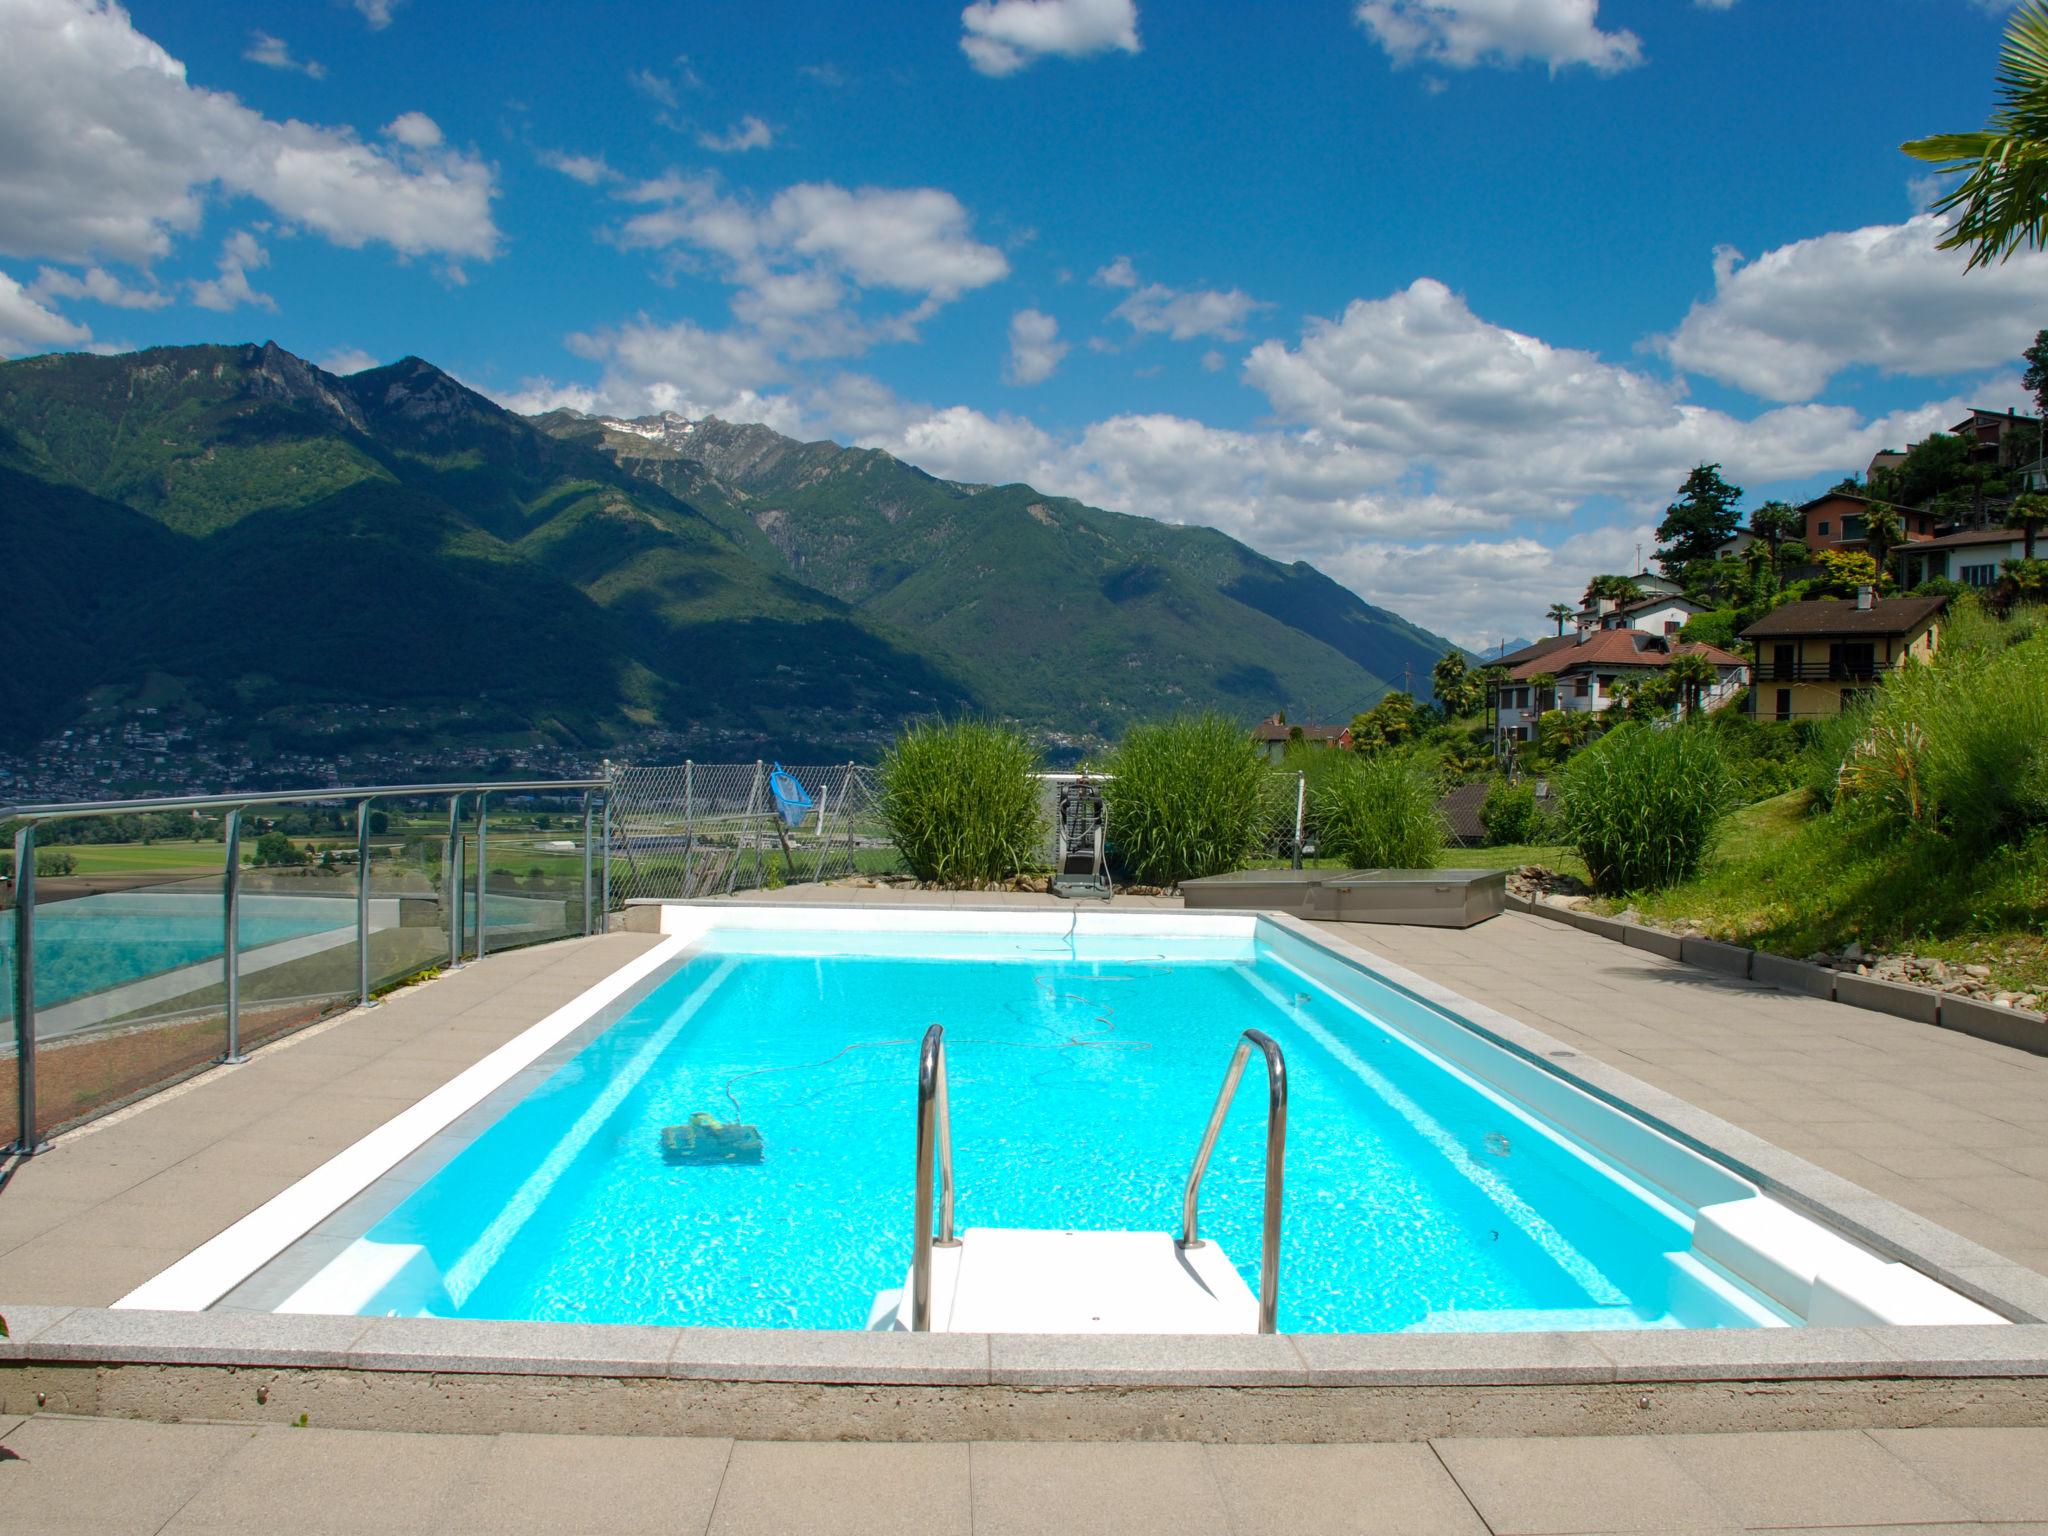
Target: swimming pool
column 1435, row 1179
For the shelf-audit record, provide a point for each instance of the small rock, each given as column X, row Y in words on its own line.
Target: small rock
column 1981, row 972
column 1852, row 950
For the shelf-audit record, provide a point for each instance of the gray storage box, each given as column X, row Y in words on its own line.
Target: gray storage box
column 1428, row 898
column 1293, row 891
column 1424, row 898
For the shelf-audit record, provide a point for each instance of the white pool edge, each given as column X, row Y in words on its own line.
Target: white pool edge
column 1790, row 1255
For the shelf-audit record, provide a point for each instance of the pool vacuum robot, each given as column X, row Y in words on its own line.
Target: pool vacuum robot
column 704, row 1140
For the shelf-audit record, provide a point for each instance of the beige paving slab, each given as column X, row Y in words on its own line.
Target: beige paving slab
column 1999, row 1474
column 107, row 1477
column 1096, row 1490
column 330, row 1483
column 1341, row 1490
column 1569, row 1487
column 844, row 1490
column 1831, row 1478
column 596, row 1485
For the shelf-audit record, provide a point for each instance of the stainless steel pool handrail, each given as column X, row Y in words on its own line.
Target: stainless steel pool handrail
column 934, row 1139
column 27, row 818
column 1276, row 1159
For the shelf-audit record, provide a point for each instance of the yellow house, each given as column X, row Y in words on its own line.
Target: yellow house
column 1813, row 657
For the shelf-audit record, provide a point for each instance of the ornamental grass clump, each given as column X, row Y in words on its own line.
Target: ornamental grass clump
column 1381, row 813
column 1958, row 748
column 961, row 801
column 1187, row 797
column 1643, row 804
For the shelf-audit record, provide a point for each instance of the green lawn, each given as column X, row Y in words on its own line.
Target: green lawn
column 143, row 858
column 1785, row 880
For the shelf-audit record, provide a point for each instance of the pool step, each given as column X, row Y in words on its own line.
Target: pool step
column 1012, row 1280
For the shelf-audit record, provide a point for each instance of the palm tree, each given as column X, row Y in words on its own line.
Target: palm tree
column 1692, row 674
column 1774, row 522
column 2027, row 514
column 2001, row 203
column 1561, row 614
column 1883, row 532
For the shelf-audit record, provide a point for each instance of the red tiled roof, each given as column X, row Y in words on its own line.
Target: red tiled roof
column 1620, row 648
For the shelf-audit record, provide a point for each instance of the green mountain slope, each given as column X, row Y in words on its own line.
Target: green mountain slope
column 390, row 564
column 1058, row 613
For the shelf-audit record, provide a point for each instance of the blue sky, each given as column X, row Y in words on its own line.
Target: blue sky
column 1442, row 295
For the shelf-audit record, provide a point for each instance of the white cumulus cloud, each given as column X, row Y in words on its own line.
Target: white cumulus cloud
column 1001, row 37
column 1785, row 324
column 108, row 150
column 28, row 325
column 229, row 287
column 275, row 53
column 750, row 132
column 346, row 360
column 1465, row 33
column 97, row 284
column 1035, row 347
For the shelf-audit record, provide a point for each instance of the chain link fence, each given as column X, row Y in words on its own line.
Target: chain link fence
column 691, row 830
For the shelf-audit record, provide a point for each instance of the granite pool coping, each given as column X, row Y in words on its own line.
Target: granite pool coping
column 102, row 1337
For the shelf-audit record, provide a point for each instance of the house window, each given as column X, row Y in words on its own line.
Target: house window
column 1852, row 528
column 1671, row 627
column 1979, row 575
column 1852, row 658
column 1824, row 528
column 1784, row 661
column 1784, row 703
column 1581, row 686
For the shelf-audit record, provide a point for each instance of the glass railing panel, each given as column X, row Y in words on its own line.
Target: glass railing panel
column 534, row 890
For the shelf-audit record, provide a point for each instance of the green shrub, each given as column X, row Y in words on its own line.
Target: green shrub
column 1509, row 813
column 1959, row 747
column 961, row 802
column 1763, row 757
column 1382, row 814
column 49, row 861
column 1829, row 741
column 1717, row 626
column 1190, row 796
column 1642, row 805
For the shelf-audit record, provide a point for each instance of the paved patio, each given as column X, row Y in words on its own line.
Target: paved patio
column 223, row 1479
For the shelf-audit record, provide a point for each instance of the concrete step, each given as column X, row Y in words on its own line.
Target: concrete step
column 1012, row 1280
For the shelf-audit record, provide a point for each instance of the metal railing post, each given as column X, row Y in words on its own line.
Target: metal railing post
column 605, row 870
column 483, row 865
column 1300, row 812
column 452, row 882
column 28, row 1141
column 589, row 926
column 1276, row 1160
column 689, row 827
column 231, row 935
column 934, row 1140
column 363, row 905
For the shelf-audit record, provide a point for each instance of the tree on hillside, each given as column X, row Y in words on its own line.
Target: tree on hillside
column 1700, row 521
column 1454, row 684
column 1561, row 614
column 1774, row 522
column 2028, row 513
column 1620, row 588
column 1883, row 532
column 1388, row 723
column 2000, row 202
column 1692, row 675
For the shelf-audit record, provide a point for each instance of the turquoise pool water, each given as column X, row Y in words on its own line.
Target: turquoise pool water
column 1081, row 1078
column 93, row 943
column 108, row 940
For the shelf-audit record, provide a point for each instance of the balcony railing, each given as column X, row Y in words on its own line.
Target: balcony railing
column 1821, row 671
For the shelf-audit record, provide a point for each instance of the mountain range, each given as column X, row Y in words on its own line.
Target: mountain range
column 280, row 557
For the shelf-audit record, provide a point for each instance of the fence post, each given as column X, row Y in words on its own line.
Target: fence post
column 27, row 1142
column 231, row 935
column 754, row 824
column 1300, row 808
column 363, row 905
column 605, row 902
column 483, row 864
column 588, row 928
column 689, row 827
column 451, row 882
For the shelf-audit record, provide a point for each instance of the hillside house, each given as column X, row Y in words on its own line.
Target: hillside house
column 1813, row 657
column 1976, row 557
column 1835, row 521
column 1273, row 734
column 1584, row 670
column 1994, row 436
